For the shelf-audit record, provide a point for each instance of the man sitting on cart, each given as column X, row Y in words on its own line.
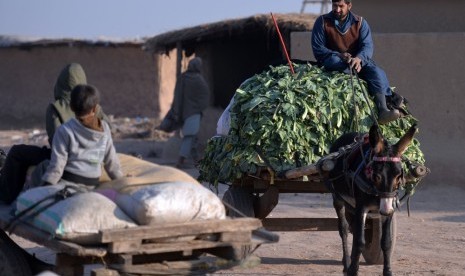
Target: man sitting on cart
column 341, row 41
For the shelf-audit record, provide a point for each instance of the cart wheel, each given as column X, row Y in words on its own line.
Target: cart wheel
column 12, row 260
column 372, row 253
column 264, row 204
column 241, row 199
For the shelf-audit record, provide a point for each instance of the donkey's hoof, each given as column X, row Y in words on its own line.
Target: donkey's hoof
column 352, row 272
column 387, row 272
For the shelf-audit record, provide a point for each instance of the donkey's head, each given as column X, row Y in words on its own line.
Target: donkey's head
column 385, row 166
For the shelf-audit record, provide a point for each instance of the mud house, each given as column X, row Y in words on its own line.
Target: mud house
column 413, row 16
column 135, row 82
column 124, row 73
column 418, row 44
column 232, row 50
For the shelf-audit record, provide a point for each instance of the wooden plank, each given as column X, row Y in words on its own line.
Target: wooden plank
column 288, row 186
column 238, row 236
column 181, row 229
column 326, row 166
column 152, row 248
column 45, row 239
column 191, row 267
column 299, row 172
column 229, row 252
column 121, row 246
column 129, row 259
column 104, row 272
column 300, row 224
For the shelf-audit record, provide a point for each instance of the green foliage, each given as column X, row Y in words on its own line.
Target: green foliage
column 292, row 120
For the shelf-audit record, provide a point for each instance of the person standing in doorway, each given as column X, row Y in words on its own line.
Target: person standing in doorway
column 191, row 98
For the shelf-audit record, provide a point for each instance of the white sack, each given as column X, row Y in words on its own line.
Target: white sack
column 173, row 202
column 78, row 218
column 224, row 122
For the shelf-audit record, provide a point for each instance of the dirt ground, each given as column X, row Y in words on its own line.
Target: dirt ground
column 429, row 242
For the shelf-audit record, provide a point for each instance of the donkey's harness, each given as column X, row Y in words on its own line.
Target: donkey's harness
column 354, row 178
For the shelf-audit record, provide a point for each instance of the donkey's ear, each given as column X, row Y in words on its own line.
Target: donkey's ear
column 403, row 143
column 376, row 140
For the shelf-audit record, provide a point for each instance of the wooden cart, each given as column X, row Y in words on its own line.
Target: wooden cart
column 194, row 247
column 257, row 195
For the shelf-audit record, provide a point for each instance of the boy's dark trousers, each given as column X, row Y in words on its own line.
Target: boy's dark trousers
column 13, row 173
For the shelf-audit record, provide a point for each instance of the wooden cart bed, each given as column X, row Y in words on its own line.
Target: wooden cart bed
column 164, row 249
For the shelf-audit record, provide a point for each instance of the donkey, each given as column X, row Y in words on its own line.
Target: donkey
column 366, row 179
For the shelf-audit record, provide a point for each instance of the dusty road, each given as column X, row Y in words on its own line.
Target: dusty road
column 429, row 242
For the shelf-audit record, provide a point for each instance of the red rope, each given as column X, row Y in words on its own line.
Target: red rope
column 282, row 43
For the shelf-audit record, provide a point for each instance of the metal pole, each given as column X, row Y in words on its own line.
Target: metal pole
column 282, row 43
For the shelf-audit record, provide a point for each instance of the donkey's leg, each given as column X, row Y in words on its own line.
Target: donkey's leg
column 343, row 228
column 358, row 238
column 386, row 245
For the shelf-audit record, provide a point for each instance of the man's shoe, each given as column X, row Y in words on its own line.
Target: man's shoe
column 386, row 116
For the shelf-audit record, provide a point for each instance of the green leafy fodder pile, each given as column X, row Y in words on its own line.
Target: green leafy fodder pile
column 292, row 121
